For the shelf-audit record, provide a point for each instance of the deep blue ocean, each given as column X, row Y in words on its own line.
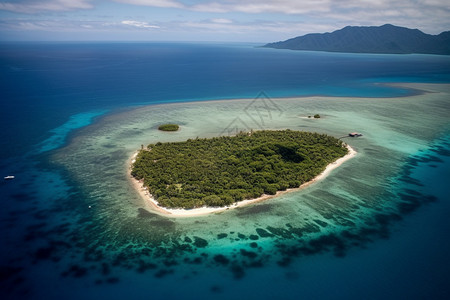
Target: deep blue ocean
column 44, row 84
column 49, row 91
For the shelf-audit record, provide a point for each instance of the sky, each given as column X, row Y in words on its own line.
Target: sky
column 255, row 21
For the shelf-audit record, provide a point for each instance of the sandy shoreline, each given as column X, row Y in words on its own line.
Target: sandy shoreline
column 209, row 210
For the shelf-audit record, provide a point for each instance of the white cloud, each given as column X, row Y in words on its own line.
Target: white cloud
column 289, row 29
column 246, row 18
column 153, row 3
column 139, row 24
column 74, row 25
column 222, row 21
column 442, row 3
column 265, row 6
column 307, row 8
column 34, row 6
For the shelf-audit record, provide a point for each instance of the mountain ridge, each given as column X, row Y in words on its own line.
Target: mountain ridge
column 385, row 39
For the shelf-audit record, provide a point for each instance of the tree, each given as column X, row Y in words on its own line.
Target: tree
column 223, row 170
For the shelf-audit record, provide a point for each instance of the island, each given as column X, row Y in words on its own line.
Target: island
column 169, row 127
column 387, row 39
column 224, row 171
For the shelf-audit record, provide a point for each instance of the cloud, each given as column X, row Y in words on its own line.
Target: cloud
column 265, row 6
column 42, row 25
column 35, row 6
column 376, row 10
column 245, row 28
column 222, row 21
column 242, row 19
column 153, row 3
column 139, row 24
column 323, row 8
column 73, row 25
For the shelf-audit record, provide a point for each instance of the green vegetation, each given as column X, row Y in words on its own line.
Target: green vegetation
column 169, row 127
column 316, row 116
column 223, row 170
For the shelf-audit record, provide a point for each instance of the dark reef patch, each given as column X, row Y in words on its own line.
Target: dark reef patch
column 75, row 271
column 253, row 245
column 185, row 248
column 252, row 210
column 310, row 228
column 145, row 266
column 329, row 241
column 221, row 259
column 263, row 233
column 142, row 213
column 163, row 272
column 242, row 236
column 386, row 219
column 197, row 260
column 321, row 223
column 412, row 192
column 199, row 242
column 284, row 261
column 222, row 235
column 248, row 254
column 162, row 222
column 412, row 203
column 295, row 231
column 280, row 232
column 155, row 220
column 237, row 271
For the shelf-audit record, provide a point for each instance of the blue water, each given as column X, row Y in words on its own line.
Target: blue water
column 44, row 85
column 49, row 91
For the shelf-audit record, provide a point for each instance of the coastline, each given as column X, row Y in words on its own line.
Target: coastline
column 202, row 211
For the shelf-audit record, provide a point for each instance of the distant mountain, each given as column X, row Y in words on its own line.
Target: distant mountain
column 383, row 39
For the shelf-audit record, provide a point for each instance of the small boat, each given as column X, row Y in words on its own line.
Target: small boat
column 9, row 177
column 354, row 134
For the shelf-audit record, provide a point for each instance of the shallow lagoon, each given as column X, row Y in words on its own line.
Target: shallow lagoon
column 120, row 243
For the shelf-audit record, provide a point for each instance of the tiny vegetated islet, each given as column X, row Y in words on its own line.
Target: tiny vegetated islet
column 223, row 170
column 168, row 127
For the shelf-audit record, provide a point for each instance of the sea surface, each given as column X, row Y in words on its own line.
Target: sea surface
column 73, row 227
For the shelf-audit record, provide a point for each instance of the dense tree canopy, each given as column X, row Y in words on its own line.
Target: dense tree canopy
column 169, row 127
column 223, row 170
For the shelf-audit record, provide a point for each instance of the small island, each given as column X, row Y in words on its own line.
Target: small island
column 169, row 127
column 222, row 171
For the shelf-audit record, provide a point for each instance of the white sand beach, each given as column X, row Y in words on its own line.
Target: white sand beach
column 138, row 185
